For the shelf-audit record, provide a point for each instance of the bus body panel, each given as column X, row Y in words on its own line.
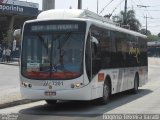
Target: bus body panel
column 72, row 94
column 53, row 84
column 121, row 81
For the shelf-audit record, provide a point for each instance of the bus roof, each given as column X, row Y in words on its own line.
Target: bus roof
column 72, row 13
column 84, row 14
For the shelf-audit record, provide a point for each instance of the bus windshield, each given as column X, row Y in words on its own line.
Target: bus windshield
column 52, row 54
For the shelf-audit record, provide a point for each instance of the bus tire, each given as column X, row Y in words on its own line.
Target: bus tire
column 136, row 84
column 51, row 102
column 106, row 93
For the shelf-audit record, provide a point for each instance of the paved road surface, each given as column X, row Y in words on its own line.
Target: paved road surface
column 9, row 75
column 9, row 83
column 146, row 101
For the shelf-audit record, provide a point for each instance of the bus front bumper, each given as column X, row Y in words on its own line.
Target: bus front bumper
column 83, row 93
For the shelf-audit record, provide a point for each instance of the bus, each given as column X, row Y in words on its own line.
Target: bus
column 79, row 55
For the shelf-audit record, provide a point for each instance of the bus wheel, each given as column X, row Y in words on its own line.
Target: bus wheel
column 51, row 102
column 136, row 84
column 106, row 93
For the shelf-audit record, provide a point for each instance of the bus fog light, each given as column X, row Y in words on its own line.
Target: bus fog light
column 72, row 85
column 29, row 85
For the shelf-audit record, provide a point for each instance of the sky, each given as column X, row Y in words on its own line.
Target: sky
column 152, row 11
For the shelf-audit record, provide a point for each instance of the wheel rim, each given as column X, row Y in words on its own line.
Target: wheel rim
column 105, row 91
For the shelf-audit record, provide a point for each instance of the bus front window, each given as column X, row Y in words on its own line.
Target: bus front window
column 67, row 55
column 52, row 55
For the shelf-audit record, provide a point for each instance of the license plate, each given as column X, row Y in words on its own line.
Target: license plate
column 49, row 93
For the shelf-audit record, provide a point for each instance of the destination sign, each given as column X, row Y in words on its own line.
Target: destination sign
column 58, row 27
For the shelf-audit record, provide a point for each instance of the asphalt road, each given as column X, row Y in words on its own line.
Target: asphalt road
column 147, row 101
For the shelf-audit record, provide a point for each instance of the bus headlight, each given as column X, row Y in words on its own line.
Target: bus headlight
column 26, row 85
column 76, row 85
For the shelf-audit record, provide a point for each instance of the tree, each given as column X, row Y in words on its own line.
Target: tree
column 152, row 38
column 158, row 34
column 130, row 20
column 143, row 31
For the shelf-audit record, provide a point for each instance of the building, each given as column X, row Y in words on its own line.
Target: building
column 154, row 49
column 13, row 13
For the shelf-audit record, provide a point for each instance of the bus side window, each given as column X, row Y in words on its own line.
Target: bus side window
column 96, row 61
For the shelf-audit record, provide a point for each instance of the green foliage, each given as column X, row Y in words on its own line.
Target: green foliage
column 153, row 38
column 131, row 20
column 143, row 31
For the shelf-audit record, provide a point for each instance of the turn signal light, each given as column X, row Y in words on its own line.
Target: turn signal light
column 100, row 77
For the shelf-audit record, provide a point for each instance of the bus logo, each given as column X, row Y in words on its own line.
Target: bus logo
column 50, row 86
column 135, row 52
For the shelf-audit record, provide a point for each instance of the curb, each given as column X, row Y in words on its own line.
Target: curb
column 15, row 103
column 10, row 64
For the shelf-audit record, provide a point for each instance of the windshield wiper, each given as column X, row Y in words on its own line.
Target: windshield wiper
column 61, row 51
column 42, row 40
